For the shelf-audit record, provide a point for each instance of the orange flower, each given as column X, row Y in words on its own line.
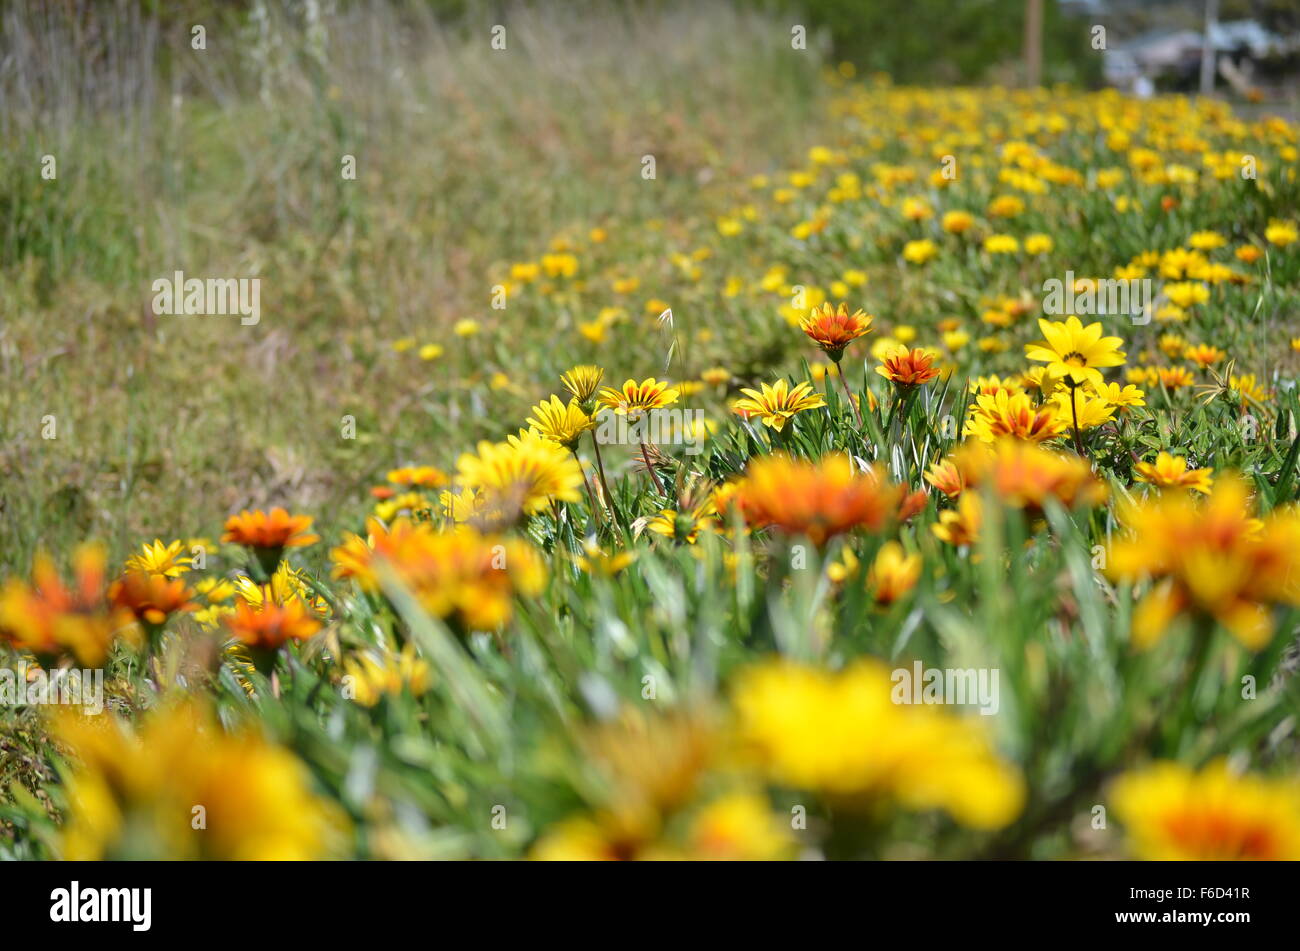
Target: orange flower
column 946, row 477
column 51, row 619
column 1175, row 378
column 269, row 534
column 833, row 329
column 151, row 598
column 276, row 529
column 912, row 504
column 908, row 367
column 816, row 499
column 1203, row 354
column 1024, row 475
column 465, row 576
column 267, row 625
column 426, row 476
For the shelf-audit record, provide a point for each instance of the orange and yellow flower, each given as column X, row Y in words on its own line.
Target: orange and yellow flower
column 52, row 619
column 1208, row 559
column 817, row 500
column 1003, row 413
column 904, row 367
column 269, row 624
column 524, row 473
column 776, row 404
column 465, row 576
column 268, row 534
column 635, row 398
column 893, row 573
column 151, row 598
column 1171, row 472
column 833, row 328
column 1175, row 813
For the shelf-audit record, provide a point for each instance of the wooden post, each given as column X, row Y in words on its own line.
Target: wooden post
column 1207, row 47
column 1033, row 43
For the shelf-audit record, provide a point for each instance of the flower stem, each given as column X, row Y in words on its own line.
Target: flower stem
column 645, row 454
column 591, row 496
column 857, row 411
column 604, row 486
column 1074, row 410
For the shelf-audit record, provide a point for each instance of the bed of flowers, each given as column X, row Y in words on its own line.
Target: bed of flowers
column 783, row 473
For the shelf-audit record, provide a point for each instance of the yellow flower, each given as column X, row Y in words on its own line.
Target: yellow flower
column 596, row 561
column 1004, row 413
column 526, row 271
column 842, row 735
column 527, row 471
column 636, row 398
column 1172, row 472
column 1174, row 813
column 960, row 526
column 1212, row 560
column 582, row 381
column 430, row 351
column 465, row 327
column 135, row 793
column 1075, row 352
column 775, row 405
column 1038, row 244
column 1001, row 244
column 1122, row 397
column 374, row 675
column 1247, row 388
column 893, row 574
column 560, row 422
column 1186, row 294
column 916, row 209
column 1281, row 233
column 1206, row 240
column 920, row 251
column 684, row 526
column 739, row 827
column 1080, row 408
column 169, row 560
column 957, row 222
column 286, row 584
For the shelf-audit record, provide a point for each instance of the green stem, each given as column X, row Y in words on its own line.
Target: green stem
column 857, row 410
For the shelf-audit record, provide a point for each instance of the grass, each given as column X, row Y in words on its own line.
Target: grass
column 465, row 158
